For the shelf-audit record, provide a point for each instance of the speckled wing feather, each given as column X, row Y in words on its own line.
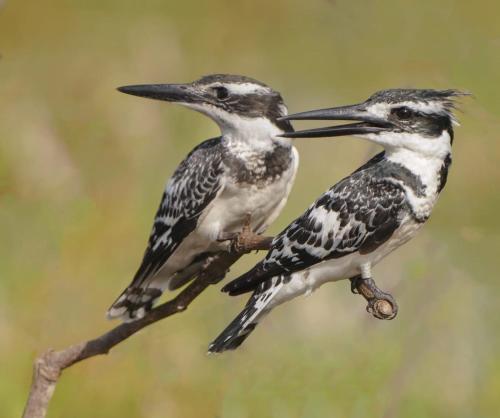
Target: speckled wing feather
column 359, row 213
column 194, row 184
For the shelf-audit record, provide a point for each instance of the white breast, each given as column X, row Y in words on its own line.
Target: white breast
column 426, row 164
column 308, row 280
column 229, row 211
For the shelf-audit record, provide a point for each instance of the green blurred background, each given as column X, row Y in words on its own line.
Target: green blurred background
column 82, row 168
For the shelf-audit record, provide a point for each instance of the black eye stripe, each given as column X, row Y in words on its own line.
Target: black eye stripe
column 221, row 92
column 403, row 112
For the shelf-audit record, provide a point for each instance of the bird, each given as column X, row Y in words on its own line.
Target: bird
column 248, row 170
column 365, row 216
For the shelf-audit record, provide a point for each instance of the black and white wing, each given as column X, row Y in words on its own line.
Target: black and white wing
column 359, row 213
column 193, row 186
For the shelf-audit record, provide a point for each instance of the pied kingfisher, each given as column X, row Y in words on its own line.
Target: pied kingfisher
column 249, row 169
column 365, row 216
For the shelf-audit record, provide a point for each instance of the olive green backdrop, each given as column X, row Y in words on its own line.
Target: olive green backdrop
column 82, row 168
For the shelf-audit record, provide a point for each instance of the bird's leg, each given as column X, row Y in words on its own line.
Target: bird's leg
column 245, row 240
column 380, row 304
column 218, row 270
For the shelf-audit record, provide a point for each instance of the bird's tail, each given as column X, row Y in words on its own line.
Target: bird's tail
column 241, row 327
column 134, row 303
column 139, row 298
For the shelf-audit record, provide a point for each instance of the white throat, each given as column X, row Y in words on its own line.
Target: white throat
column 249, row 133
column 423, row 156
column 426, row 165
column 414, row 144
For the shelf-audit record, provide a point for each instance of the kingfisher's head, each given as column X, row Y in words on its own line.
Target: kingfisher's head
column 420, row 120
column 234, row 102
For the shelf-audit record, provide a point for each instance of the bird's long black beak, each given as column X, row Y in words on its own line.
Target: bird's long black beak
column 367, row 124
column 167, row 92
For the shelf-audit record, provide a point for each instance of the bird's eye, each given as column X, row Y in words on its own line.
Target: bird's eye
column 402, row 112
column 221, row 93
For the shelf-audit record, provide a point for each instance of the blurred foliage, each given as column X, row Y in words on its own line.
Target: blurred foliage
column 82, row 168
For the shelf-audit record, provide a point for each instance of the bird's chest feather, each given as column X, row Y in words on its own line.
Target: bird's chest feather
column 407, row 229
column 246, row 166
column 260, row 198
column 423, row 192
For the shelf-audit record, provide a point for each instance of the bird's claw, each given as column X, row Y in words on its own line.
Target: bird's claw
column 246, row 240
column 237, row 240
column 354, row 284
column 381, row 305
column 236, row 237
column 227, row 236
column 218, row 272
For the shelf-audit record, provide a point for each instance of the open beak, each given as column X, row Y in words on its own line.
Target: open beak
column 168, row 92
column 367, row 123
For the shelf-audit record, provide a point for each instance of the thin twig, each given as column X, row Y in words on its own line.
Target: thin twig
column 381, row 305
column 49, row 366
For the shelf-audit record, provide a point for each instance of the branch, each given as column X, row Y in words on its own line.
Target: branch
column 380, row 304
column 50, row 365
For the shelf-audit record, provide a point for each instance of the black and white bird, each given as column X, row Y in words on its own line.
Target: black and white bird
column 249, row 169
column 365, row 216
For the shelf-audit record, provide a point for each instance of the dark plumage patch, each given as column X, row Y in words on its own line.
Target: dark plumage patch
column 396, row 171
column 417, row 95
column 258, row 169
column 391, row 169
column 443, row 173
column 269, row 105
column 424, row 124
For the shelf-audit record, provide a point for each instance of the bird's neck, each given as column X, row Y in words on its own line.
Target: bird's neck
column 422, row 175
column 254, row 154
column 428, row 166
column 252, row 135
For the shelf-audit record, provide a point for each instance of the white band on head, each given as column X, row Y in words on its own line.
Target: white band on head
column 245, row 88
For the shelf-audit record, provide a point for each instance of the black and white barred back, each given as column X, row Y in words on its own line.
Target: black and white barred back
column 194, row 184
column 358, row 214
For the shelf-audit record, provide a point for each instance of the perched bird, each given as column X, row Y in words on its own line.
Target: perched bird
column 249, row 169
column 365, row 216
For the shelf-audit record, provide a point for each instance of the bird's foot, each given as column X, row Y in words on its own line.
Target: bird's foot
column 381, row 305
column 227, row 236
column 355, row 282
column 245, row 240
column 218, row 271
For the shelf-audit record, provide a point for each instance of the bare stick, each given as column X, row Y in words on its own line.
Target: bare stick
column 49, row 366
